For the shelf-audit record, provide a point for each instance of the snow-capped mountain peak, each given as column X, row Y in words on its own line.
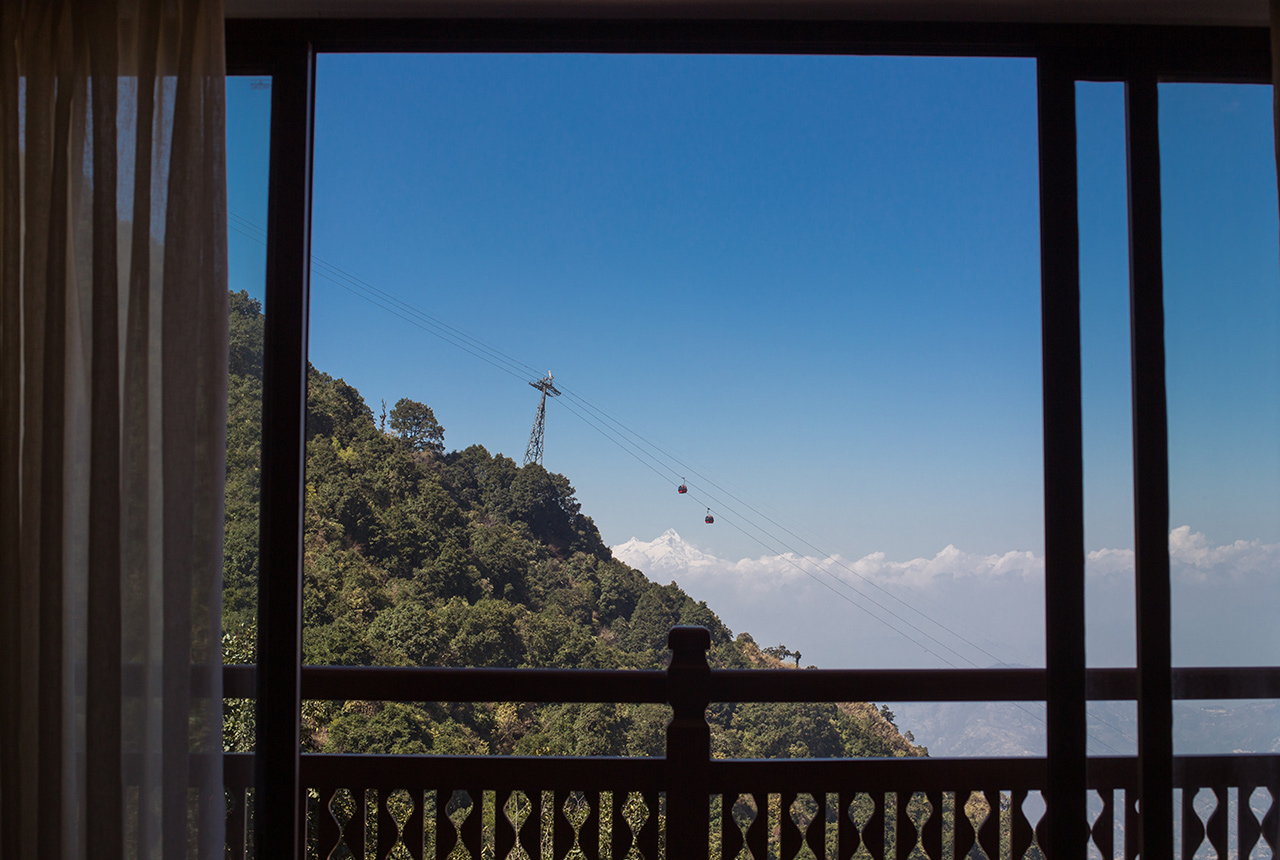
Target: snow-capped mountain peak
column 667, row 553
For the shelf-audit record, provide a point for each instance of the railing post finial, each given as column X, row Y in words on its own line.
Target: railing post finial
column 688, row 742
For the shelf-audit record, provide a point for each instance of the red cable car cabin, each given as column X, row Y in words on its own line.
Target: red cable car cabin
column 682, row 489
column 710, row 519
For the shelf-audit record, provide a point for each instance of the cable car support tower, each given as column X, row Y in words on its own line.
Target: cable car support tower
column 533, row 454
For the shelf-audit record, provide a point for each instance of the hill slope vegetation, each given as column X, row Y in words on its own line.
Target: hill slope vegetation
column 415, row 556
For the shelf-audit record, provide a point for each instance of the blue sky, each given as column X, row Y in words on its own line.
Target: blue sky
column 813, row 279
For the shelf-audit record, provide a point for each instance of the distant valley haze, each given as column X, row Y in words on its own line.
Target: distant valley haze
column 993, row 605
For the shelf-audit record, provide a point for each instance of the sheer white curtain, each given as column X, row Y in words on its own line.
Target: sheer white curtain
column 112, row 419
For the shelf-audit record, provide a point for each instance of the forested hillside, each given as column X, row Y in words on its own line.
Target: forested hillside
column 415, row 556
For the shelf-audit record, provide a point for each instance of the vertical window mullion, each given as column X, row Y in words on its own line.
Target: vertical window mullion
column 1063, row 462
column 277, row 810
column 1150, row 467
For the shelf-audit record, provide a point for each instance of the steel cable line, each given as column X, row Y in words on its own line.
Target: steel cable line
column 513, row 365
column 842, row 595
column 380, row 297
column 519, row 370
column 689, row 470
column 506, row 367
column 792, row 561
column 720, row 506
column 640, row 457
column 461, row 346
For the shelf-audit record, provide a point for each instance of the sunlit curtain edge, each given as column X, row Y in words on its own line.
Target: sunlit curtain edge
column 112, row 411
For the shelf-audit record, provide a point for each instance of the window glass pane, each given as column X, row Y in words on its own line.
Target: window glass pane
column 1222, row 330
column 806, row 289
column 1222, row 335
column 1106, row 402
column 248, row 149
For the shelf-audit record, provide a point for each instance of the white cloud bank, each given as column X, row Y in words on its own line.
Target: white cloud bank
column 669, row 555
column 988, row 608
column 1192, row 559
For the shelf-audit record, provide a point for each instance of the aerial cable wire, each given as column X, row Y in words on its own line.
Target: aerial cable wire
column 381, row 298
column 655, row 470
column 512, row 367
column 844, row 596
column 393, row 312
column 803, row 570
column 513, row 370
column 519, row 370
column 832, row 558
column 337, row 275
column 1018, row 705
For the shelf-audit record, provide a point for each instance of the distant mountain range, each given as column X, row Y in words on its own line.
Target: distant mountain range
column 1007, row 729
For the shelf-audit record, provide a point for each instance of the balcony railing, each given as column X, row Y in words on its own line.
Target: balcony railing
column 689, row 805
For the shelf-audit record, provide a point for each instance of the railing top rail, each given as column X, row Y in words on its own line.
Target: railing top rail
column 727, row 775
column 500, row 773
column 415, row 684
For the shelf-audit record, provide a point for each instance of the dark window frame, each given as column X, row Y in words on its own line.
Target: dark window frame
column 1139, row 56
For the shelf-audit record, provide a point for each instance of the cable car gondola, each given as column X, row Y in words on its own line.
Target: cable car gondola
column 710, row 519
column 682, row 489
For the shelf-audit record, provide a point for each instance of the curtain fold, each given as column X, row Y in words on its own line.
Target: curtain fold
column 113, row 339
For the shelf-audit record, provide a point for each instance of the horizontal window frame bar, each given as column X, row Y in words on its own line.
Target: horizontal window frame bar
column 1094, row 51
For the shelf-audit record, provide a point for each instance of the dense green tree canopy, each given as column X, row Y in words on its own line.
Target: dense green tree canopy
column 416, row 426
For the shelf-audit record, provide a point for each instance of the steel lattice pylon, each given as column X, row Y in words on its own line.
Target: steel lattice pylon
column 533, row 454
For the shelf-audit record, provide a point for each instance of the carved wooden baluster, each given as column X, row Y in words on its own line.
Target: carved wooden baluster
column 504, row 828
column 758, row 831
column 966, row 836
column 473, row 825
column 620, row 835
column 650, row 831
column 1271, row 820
column 1132, row 823
column 1247, row 829
column 1042, row 826
column 355, row 832
column 873, row 830
column 794, row 838
column 329, row 831
column 731, row 839
column 904, row 831
column 847, row 837
column 790, row 831
column 815, row 836
column 530, row 835
column 414, row 836
column 1103, row 829
column 1192, row 826
column 446, row 836
column 623, row 835
column 1216, row 826
column 989, row 833
column 388, row 832
column 237, row 822
column 591, row 844
column 561, row 828
column 1021, row 834
column 931, row 832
